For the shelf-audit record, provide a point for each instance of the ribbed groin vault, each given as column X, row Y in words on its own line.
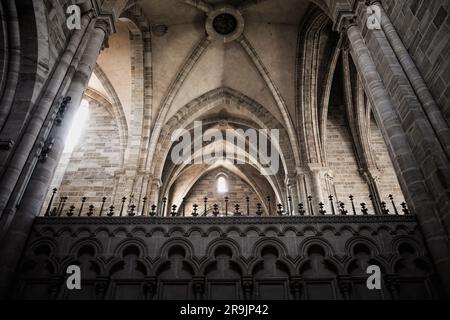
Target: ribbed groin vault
column 313, row 145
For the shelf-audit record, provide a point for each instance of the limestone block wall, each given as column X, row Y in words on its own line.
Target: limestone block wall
column 94, row 161
column 388, row 182
column 424, row 27
column 341, row 158
column 342, row 161
column 206, row 187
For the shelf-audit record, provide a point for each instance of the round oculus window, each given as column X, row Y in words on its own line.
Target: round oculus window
column 225, row 24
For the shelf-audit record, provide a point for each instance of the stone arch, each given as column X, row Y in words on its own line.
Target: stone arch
column 223, row 272
column 116, row 107
column 399, row 240
column 306, row 244
column 410, row 261
column 311, row 57
column 141, row 81
column 210, row 101
column 359, row 240
column 41, row 259
column 185, row 244
column 318, row 248
column 213, row 245
column 271, row 270
column 170, row 95
column 94, row 243
column 274, row 242
column 288, row 123
column 223, row 247
column 319, row 271
column 362, row 254
column 175, row 273
column 24, row 22
column 231, row 171
column 123, row 245
column 46, row 244
column 172, row 172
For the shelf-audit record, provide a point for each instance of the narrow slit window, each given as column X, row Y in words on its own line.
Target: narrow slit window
column 222, row 184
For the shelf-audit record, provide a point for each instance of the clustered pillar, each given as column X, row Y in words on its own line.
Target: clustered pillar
column 419, row 195
column 34, row 195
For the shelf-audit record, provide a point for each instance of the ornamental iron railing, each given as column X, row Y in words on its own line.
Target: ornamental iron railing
column 127, row 207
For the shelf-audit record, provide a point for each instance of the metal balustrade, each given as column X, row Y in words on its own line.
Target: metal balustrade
column 60, row 208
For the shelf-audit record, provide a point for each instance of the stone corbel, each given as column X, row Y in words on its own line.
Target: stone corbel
column 100, row 286
column 247, row 286
column 345, row 286
column 149, row 287
column 199, row 287
column 371, row 174
column 392, row 285
column 296, row 286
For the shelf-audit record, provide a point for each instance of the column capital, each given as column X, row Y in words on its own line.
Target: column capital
column 371, row 174
column 318, row 169
column 103, row 24
column 372, row 2
column 108, row 17
column 345, row 21
column 302, row 171
column 157, row 182
column 347, row 18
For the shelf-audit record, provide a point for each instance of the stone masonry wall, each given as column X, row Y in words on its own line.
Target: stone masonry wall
column 343, row 163
column 424, row 27
column 94, row 161
column 206, row 187
column 388, row 183
column 341, row 158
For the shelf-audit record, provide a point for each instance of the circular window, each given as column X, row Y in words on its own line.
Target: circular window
column 225, row 24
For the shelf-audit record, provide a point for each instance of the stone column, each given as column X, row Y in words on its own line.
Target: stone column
column 429, row 105
column 317, row 177
column 302, row 187
column 15, row 167
column 291, row 187
column 372, row 177
column 428, row 151
column 410, row 177
column 33, row 198
column 155, row 188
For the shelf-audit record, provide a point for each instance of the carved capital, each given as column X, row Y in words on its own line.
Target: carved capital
column 101, row 14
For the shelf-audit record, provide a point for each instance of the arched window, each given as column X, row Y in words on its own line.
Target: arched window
column 222, row 184
column 77, row 127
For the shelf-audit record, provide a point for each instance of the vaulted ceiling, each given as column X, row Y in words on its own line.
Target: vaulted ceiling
column 251, row 58
column 264, row 71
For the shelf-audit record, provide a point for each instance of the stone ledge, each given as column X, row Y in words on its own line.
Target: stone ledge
column 223, row 220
